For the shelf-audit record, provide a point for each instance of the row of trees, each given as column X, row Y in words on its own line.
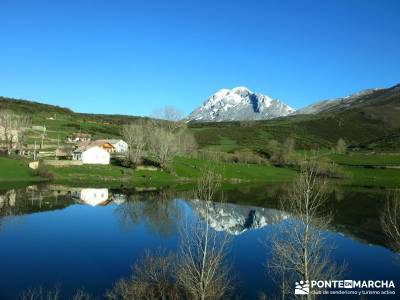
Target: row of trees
column 285, row 154
column 160, row 139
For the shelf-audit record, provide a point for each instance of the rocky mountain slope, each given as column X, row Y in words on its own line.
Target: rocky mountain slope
column 239, row 104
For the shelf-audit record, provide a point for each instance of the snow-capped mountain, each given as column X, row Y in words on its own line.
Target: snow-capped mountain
column 337, row 104
column 236, row 219
column 239, row 104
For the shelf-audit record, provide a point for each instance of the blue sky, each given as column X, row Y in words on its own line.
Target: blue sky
column 132, row 57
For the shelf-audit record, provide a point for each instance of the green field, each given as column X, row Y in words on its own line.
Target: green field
column 364, row 159
column 367, row 177
column 188, row 170
column 13, row 170
column 180, row 170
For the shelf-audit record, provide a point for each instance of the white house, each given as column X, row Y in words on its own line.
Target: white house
column 120, row 146
column 94, row 197
column 91, row 155
column 91, row 196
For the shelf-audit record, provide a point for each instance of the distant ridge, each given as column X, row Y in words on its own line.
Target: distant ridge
column 336, row 104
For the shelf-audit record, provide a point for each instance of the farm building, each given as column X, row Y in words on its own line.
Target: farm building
column 103, row 144
column 91, row 154
column 78, row 137
column 120, row 146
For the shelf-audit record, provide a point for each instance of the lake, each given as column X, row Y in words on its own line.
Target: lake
column 88, row 238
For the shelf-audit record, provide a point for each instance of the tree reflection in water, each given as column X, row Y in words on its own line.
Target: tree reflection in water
column 7, row 206
column 159, row 211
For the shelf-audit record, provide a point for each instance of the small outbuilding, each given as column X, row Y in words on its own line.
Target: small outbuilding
column 78, row 137
column 120, row 146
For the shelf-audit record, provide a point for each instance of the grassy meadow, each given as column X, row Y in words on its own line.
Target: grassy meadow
column 187, row 170
column 180, row 170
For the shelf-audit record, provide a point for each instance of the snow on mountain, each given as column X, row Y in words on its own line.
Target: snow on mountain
column 236, row 219
column 239, row 104
column 335, row 104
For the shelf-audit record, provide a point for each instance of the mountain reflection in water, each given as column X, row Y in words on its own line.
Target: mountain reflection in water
column 236, row 219
column 50, row 232
column 354, row 214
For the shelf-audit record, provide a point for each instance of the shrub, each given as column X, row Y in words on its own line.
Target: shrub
column 327, row 168
column 42, row 171
column 246, row 157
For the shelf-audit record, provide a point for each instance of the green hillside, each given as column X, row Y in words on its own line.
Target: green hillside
column 373, row 123
column 61, row 122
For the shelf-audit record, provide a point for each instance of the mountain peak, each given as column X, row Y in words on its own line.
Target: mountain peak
column 241, row 90
column 239, row 104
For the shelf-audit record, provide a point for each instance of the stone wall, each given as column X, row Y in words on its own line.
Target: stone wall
column 62, row 163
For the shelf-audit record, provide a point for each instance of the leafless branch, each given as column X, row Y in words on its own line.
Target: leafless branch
column 202, row 270
column 390, row 219
column 151, row 279
column 11, row 128
column 299, row 248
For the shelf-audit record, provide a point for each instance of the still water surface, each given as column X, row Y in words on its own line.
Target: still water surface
column 89, row 237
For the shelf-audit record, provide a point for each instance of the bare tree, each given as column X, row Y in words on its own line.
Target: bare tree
column 135, row 137
column 299, row 248
column 40, row 294
column 52, row 294
column 341, row 146
column 81, row 295
column 161, row 141
column 151, row 279
column 42, row 136
column 202, row 270
column 391, row 220
column 163, row 144
column 289, row 145
column 187, row 143
column 11, row 126
column 171, row 115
